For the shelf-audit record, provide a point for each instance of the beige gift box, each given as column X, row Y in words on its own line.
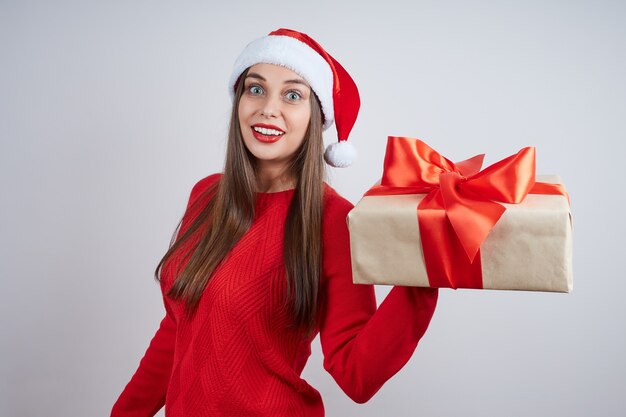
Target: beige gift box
column 530, row 248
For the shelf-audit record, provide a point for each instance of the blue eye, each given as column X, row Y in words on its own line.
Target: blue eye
column 291, row 95
column 254, row 89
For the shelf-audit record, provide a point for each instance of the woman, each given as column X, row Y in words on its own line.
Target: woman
column 261, row 261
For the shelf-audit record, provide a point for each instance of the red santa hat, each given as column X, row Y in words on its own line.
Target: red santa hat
column 335, row 89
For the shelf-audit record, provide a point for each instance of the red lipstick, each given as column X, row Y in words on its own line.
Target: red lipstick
column 267, row 126
column 266, row 138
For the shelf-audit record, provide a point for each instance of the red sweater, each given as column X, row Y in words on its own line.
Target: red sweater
column 236, row 357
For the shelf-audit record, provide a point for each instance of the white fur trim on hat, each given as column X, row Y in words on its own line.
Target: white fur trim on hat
column 298, row 57
column 340, row 154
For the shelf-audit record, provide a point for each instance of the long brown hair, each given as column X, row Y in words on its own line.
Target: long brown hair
column 230, row 212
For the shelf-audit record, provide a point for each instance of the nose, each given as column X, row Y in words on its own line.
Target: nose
column 271, row 107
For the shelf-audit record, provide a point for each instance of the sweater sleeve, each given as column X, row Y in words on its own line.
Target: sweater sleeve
column 364, row 346
column 144, row 395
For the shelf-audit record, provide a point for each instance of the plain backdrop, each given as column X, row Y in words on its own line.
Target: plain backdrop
column 111, row 111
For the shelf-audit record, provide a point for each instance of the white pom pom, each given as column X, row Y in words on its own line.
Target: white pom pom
column 340, row 154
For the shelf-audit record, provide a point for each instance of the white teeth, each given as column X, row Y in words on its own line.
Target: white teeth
column 267, row 131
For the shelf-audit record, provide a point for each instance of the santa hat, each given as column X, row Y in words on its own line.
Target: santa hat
column 335, row 89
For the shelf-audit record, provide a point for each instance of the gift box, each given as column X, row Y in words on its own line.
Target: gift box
column 430, row 222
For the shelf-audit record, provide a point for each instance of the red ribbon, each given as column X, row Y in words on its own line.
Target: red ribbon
column 462, row 203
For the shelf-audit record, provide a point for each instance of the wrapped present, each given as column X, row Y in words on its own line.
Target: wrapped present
column 430, row 222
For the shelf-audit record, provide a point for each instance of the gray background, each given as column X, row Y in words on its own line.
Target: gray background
column 111, row 111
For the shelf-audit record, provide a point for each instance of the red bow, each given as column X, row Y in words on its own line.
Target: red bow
column 462, row 203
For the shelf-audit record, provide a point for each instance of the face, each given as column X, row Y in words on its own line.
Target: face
column 274, row 113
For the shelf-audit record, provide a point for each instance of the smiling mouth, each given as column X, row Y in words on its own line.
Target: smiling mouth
column 267, row 135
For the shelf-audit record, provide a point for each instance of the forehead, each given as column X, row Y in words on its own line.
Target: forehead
column 278, row 73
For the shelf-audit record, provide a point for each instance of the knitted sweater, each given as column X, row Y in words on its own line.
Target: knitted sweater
column 236, row 356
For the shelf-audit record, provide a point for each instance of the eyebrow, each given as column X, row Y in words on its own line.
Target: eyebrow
column 294, row 81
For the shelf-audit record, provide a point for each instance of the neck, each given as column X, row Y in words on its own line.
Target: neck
column 270, row 180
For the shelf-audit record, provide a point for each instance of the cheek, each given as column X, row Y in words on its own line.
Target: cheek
column 241, row 111
column 302, row 119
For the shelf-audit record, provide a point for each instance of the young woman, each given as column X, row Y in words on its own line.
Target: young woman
column 260, row 263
